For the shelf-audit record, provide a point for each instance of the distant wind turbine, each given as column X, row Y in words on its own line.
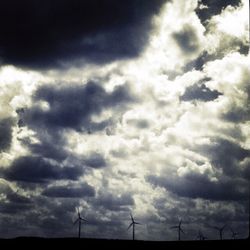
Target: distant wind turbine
column 220, row 230
column 79, row 220
column 200, row 236
column 132, row 224
column 179, row 229
column 234, row 234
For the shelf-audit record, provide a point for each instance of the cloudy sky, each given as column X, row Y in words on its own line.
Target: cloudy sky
column 114, row 107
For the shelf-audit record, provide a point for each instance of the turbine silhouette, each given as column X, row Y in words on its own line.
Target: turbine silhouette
column 200, row 236
column 79, row 220
column 234, row 234
column 132, row 224
column 179, row 229
column 220, row 230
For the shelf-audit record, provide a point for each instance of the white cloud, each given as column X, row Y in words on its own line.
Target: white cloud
column 228, row 31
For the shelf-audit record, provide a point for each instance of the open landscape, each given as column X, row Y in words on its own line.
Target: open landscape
column 124, row 123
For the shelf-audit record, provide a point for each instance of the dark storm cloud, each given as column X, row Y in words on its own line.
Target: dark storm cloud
column 38, row 170
column 13, row 208
column 194, row 185
column 187, row 39
column 5, row 134
column 17, row 198
column 214, row 8
column 95, row 160
column 199, row 92
column 225, row 155
column 14, row 201
column 198, row 63
column 236, row 113
column 53, row 216
column 53, row 33
column 227, row 45
column 69, row 108
column 48, row 150
column 70, row 191
column 72, row 107
column 11, row 195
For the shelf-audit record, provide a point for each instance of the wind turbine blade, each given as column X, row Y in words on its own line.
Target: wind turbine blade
column 137, row 223
column 174, row 227
column 182, row 231
column 130, row 226
column 180, row 223
column 131, row 217
column 75, row 221
column 83, row 219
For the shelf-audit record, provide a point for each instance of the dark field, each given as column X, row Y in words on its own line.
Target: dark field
column 120, row 244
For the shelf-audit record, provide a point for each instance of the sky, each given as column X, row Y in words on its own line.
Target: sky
column 119, row 107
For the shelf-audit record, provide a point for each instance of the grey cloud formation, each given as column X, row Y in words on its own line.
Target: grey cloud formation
column 47, row 149
column 38, row 170
column 59, row 33
column 195, row 185
column 72, row 107
column 5, row 133
column 69, row 108
column 187, row 39
column 114, row 203
column 230, row 185
column 214, row 8
column 225, row 155
column 95, row 160
column 69, row 191
column 13, row 201
column 200, row 92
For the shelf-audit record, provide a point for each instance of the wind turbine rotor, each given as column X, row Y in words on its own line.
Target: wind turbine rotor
column 131, row 224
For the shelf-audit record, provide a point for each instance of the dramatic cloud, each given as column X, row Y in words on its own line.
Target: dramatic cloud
column 11, row 201
column 72, row 107
column 194, row 185
column 119, row 107
column 70, row 192
column 113, row 203
column 187, row 39
column 53, row 34
column 95, row 161
column 37, row 169
column 201, row 93
column 5, row 134
column 209, row 8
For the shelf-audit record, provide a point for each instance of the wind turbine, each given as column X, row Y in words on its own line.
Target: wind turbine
column 234, row 234
column 79, row 220
column 200, row 236
column 132, row 224
column 179, row 229
column 220, row 230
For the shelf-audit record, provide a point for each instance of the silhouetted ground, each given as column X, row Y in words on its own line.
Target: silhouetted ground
column 69, row 243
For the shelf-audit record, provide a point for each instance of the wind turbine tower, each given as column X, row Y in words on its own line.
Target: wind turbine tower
column 132, row 224
column 179, row 229
column 79, row 220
